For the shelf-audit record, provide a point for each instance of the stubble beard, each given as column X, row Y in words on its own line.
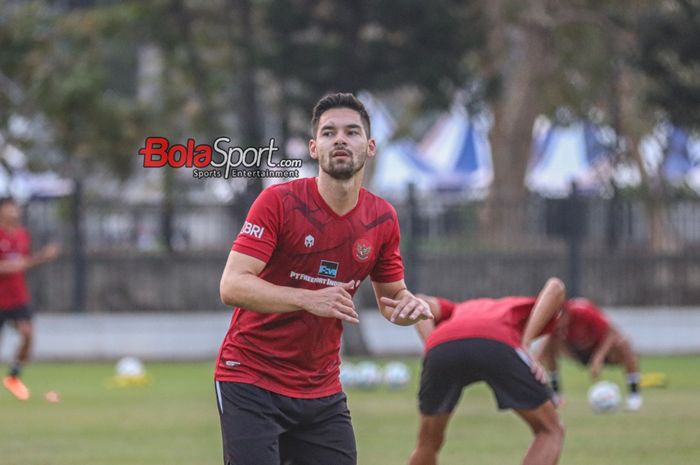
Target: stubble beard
column 344, row 170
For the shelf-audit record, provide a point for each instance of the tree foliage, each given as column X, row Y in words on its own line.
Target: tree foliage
column 669, row 56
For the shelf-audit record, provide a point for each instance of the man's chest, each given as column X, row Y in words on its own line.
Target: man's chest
column 340, row 250
column 13, row 245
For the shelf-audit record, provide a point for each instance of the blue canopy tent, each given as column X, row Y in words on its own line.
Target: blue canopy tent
column 581, row 153
column 454, row 156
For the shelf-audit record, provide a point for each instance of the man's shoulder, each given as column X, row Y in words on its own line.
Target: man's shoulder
column 379, row 203
column 294, row 184
column 282, row 189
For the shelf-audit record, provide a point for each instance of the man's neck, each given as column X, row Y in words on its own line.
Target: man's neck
column 340, row 195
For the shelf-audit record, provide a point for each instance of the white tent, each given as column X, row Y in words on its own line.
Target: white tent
column 454, row 156
column 581, row 153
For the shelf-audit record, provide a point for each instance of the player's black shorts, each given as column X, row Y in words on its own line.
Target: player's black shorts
column 260, row 427
column 453, row 365
column 21, row 313
column 583, row 356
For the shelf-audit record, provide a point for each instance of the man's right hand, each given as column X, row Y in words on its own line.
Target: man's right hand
column 332, row 302
column 49, row 252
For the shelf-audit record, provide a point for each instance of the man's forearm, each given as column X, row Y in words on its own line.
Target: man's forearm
column 35, row 260
column 254, row 293
column 602, row 351
column 549, row 354
column 12, row 266
column 548, row 303
column 424, row 328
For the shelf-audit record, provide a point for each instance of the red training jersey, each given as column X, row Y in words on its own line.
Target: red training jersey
column 305, row 245
column 587, row 326
column 501, row 320
column 14, row 244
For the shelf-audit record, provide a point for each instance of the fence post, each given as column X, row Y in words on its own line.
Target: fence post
column 613, row 226
column 574, row 222
column 79, row 261
column 410, row 251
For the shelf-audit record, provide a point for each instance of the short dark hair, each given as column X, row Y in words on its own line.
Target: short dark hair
column 340, row 100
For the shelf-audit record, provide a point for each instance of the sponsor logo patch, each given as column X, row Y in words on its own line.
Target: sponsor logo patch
column 327, row 268
column 252, row 230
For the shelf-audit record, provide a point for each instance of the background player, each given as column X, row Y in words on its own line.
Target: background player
column 15, row 259
column 487, row 340
column 304, row 249
column 585, row 334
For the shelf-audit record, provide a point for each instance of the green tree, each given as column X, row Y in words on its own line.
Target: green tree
column 313, row 47
column 669, row 57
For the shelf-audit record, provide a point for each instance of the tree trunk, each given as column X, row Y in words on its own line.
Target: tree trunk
column 522, row 60
column 243, row 44
column 660, row 234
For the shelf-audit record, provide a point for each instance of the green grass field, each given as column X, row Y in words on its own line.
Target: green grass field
column 174, row 421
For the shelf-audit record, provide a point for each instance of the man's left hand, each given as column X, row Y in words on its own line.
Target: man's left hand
column 409, row 307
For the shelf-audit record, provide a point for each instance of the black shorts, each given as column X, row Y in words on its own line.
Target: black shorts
column 260, row 427
column 451, row 366
column 21, row 313
column 583, row 356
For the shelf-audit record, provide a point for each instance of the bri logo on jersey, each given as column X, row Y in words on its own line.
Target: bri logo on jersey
column 252, row 230
column 327, row 268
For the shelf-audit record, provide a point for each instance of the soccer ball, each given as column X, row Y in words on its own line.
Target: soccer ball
column 130, row 367
column 396, row 375
column 604, row 396
column 369, row 375
column 348, row 375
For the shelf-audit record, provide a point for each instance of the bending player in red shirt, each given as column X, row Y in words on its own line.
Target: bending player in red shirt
column 584, row 333
column 303, row 251
column 15, row 259
column 488, row 340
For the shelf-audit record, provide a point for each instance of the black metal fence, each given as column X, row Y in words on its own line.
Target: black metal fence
column 619, row 251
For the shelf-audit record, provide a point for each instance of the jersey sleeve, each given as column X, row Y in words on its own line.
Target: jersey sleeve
column 447, row 308
column 389, row 266
column 260, row 232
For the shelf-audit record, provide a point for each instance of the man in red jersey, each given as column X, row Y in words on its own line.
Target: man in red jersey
column 488, row 340
column 304, row 249
column 585, row 334
column 15, row 259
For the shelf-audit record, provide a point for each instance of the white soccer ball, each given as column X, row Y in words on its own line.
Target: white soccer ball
column 369, row 375
column 130, row 367
column 396, row 375
column 348, row 375
column 604, row 396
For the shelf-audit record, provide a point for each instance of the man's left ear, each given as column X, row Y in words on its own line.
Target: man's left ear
column 312, row 149
column 371, row 148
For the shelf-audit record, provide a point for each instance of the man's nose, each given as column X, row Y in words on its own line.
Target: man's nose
column 340, row 139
